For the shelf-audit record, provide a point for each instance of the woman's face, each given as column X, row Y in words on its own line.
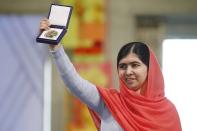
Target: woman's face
column 132, row 71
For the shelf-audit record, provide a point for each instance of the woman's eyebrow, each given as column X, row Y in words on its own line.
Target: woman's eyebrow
column 133, row 62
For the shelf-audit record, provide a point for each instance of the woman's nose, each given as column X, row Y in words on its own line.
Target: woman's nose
column 129, row 70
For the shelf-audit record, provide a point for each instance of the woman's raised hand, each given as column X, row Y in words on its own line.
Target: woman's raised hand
column 45, row 25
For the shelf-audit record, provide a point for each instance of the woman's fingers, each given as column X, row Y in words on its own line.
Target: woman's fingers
column 44, row 24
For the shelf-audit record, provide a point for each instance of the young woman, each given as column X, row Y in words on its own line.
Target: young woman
column 140, row 105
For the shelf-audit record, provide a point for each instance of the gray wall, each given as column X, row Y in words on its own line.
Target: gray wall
column 123, row 21
column 21, row 69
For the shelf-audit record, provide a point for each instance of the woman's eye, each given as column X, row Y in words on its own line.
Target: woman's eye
column 123, row 66
column 135, row 65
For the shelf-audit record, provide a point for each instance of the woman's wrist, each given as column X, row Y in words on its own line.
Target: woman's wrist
column 54, row 47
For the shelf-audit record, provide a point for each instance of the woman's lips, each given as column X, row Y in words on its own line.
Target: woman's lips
column 130, row 80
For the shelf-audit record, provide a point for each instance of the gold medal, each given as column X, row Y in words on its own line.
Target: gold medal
column 51, row 34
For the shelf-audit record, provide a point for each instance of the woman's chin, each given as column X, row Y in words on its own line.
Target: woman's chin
column 132, row 87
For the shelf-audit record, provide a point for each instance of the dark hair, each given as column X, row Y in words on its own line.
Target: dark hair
column 139, row 48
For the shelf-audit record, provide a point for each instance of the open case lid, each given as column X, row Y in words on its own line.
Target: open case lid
column 60, row 15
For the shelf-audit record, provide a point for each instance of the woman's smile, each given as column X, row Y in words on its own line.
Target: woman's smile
column 130, row 80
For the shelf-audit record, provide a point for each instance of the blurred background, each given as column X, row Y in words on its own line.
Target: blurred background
column 32, row 94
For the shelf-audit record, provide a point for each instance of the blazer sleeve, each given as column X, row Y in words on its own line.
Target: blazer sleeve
column 79, row 87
